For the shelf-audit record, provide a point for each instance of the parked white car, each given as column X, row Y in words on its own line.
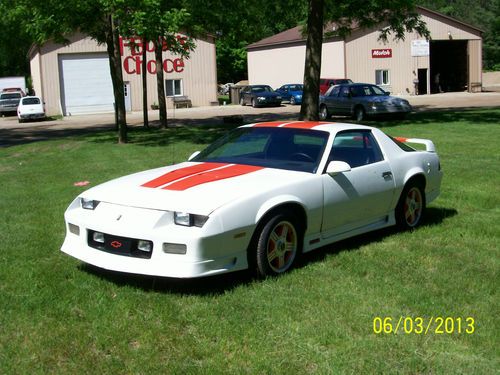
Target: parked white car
column 30, row 108
column 256, row 198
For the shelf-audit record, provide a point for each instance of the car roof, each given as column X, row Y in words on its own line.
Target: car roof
column 331, row 127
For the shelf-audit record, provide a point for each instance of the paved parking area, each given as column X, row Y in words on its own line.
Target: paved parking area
column 11, row 132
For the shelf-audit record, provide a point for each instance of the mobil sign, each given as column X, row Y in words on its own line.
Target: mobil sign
column 381, row 53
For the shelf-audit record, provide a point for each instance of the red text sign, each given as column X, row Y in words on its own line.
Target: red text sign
column 381, row 53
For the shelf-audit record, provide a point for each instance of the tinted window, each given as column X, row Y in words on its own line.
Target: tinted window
column 356, row 148
column 282, row 148
column 334, row 91
column 30, row 101
column 14, row 95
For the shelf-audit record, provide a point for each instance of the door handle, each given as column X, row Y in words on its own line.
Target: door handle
column 387, row 174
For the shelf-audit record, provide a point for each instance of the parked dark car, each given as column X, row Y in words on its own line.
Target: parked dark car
column 291, row 93
column 259, row 95
column 326, row 83
column 9, row 100
column 360, row 100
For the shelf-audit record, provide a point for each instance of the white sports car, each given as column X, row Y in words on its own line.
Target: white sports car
column 256, row 198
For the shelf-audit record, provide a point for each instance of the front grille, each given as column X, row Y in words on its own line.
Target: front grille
column 118, row 245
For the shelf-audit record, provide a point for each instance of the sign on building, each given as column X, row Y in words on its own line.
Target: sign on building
column 381, row 53
column 420, row 47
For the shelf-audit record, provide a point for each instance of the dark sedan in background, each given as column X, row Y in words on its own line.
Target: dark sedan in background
column 291, row 93
column 259, row 95
column 360, row 100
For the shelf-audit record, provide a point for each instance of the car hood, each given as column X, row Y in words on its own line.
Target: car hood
column 205, row 192
column 385, row 99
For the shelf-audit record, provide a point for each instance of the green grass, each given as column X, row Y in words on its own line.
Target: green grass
column 59, row 316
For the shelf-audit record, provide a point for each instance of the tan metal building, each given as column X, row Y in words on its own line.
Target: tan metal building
column 75, row 78
column 450, row 61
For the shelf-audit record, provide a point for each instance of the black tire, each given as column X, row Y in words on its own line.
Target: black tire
column 279, row 244
column 323, row 113
column 253, row 103
column 20, row 121
column 292, row 100
column 359, row 113
column 411, row 206
column 242, row 101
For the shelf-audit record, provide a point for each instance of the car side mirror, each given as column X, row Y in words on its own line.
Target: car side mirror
column 387, row 93
column 335, row 167
column 193, row 155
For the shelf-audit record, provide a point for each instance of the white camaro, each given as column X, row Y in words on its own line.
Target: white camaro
column 256, row 198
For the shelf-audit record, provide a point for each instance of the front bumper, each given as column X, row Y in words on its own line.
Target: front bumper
column 208, row 252
column 387, row 109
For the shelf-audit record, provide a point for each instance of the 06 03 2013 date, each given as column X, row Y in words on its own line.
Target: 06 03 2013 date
column 438, row 325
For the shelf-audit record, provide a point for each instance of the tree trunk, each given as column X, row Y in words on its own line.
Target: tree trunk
column 145, row 83
column 309, row 109
column 162, row 103
column 115, row 66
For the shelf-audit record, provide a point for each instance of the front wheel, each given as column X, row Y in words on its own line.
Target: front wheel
column 254, row 104
column 242, row 101
column 279, row 243
column 292, row 100
column 323, row 113
column 411, row 206
column 359, row 114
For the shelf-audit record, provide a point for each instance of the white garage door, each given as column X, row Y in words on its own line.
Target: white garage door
column 86, row 84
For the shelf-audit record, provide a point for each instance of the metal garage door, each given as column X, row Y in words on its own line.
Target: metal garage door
column 86, row 85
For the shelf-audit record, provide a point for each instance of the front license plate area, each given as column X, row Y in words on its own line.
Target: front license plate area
column 117, row 245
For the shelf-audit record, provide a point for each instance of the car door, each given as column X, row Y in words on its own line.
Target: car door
column 331, row 99
column 361, row 196
column 283, row 91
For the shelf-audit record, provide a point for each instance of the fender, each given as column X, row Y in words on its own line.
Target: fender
column 276, row 201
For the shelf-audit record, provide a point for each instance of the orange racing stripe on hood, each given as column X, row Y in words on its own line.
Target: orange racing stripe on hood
column 303, row 124
column 269, row 124
column 181, row 173
column 211, row 176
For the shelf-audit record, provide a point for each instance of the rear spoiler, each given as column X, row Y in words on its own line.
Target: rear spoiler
column 429, row 145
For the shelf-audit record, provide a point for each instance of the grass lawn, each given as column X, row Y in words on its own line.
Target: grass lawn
column 59, row 316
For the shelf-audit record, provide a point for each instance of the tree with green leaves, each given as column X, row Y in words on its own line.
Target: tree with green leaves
column 395, row 18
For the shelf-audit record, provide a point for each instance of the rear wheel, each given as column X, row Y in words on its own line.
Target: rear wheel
column 279, row 244
column 411, row 206
column 359, row 113
column 323, row 113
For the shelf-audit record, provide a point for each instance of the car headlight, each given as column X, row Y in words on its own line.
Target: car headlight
column 189, row 220
column 261, row 98
column 88, row 204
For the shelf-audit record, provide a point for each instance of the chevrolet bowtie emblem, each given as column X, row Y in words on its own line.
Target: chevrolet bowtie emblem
column 119, row 217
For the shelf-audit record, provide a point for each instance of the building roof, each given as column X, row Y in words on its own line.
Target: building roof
column 294, row 35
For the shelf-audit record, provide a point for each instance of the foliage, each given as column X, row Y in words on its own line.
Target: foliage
column 60, row 317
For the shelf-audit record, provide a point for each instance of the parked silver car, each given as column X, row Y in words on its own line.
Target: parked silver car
column 360, row 100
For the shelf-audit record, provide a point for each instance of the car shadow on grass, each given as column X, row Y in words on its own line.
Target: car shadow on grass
column 220, row 284
column 433, row 216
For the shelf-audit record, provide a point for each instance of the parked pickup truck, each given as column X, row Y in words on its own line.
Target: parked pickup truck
column 9, row 101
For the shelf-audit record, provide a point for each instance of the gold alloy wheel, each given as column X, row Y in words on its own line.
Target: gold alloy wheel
column 413, row 206
column 282, row 246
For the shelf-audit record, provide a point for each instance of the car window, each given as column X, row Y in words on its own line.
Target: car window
column 296, row 88
column 30, row 101
column 282, row 148
column 356, row 148
column 334, row 91
column 13, row 95
column 344, row 91
column 377, row 90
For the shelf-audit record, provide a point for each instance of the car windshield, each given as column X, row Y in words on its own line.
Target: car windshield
column 281, row 148
column 30, row 101
column 366, row 90
column 261, row 89
column 14, row 95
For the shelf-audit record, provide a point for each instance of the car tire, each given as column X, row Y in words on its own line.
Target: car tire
column 359, row 113
column 242, row 101
column 411, row 206
column 20, row 120
column 279, row 244
column 254, row 104
column 292, row 100
column 323, row 113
